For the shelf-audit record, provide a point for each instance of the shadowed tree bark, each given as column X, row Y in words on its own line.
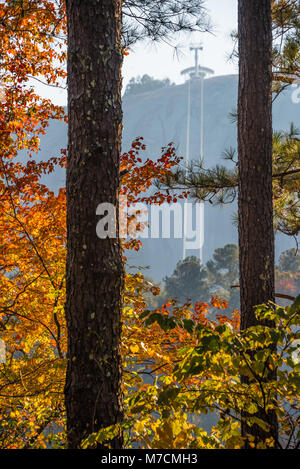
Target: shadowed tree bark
column 256, row 235
column 94, row 265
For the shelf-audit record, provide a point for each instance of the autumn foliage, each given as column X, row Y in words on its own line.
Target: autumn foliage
column 177, row 363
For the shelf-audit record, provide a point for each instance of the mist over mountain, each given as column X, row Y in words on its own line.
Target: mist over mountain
column 160, row 117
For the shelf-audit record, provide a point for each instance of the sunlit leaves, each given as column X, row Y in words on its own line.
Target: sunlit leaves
column 204, row 375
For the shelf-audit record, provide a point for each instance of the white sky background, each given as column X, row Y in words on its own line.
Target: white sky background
column 160, row 61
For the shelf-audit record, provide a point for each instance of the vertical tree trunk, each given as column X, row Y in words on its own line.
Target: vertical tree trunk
column 94, row 265
column 256, row 235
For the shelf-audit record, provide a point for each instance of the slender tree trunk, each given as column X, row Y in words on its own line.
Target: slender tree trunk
column 256, row 235
column 94, row 265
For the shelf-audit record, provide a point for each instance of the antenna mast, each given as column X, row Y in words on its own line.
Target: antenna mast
column 197, row 72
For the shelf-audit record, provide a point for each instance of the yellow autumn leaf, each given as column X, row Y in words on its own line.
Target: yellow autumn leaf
column 139, row 427
column 134, row 348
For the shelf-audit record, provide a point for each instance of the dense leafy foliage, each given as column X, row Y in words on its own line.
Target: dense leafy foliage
column 196, row 367
column 178, row 365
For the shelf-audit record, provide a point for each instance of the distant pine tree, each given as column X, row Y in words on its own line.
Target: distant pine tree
column 188, row 282
column 223, row 270
column 288, row 274
column 289, row 261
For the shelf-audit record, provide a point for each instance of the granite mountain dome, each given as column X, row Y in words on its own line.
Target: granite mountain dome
column 160, row 117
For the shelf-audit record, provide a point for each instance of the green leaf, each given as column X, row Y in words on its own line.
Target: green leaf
column 210, row 343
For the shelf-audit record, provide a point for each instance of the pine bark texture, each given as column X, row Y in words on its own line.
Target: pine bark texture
column 256, row 234
column 94, row 265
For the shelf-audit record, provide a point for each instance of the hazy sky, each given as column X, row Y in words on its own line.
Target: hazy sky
column 160, row 61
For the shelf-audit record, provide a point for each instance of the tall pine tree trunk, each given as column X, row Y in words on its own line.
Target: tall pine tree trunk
column 256, row 235
column 94, row 265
